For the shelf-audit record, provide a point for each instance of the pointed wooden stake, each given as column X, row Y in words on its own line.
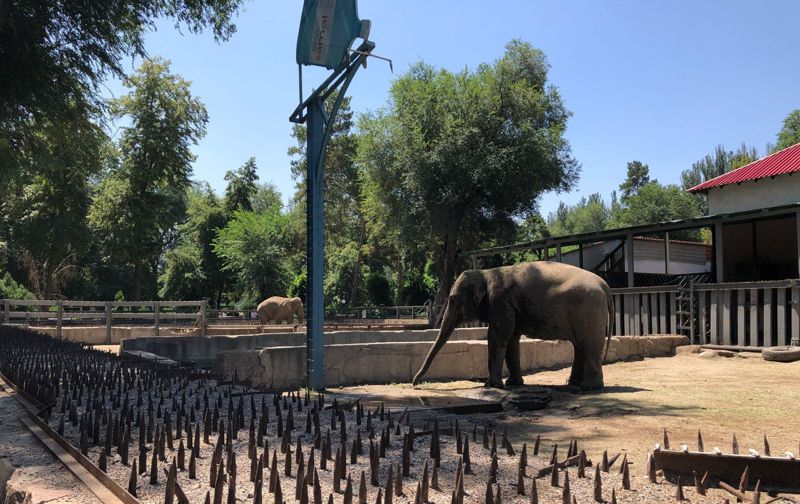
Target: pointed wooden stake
column 536, row 444
column 699, row 441
column 665, row 444
column 132, row 483
column 766, row 446
column 534, row 492
column 734, row 445
column 598, row 485
column 679, row 491
column 651, row 468
column 566, row 496
column 626, row 475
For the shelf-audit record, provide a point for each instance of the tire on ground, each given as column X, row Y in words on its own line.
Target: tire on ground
column 781, row 353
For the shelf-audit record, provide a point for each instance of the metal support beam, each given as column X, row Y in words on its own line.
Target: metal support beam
column 797, row 227
column 719, row 262
column 546, row 253
column 629, row 259
column 666, row 253
column 314, row 252
column 558, row 252
column 580, row 255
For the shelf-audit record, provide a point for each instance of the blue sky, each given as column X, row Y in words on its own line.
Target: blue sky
column 661, row 82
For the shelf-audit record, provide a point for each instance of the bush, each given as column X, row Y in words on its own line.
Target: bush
column 10, row 289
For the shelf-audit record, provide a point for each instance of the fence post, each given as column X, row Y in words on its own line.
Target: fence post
column 108, row 322
column 6, row 312
column 156, row 311
column 60, row 315
column 202, row 318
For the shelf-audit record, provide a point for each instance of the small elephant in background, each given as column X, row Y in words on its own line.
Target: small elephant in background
column 280, row 309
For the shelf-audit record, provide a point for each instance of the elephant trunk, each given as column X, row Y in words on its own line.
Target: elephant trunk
column 449, row 322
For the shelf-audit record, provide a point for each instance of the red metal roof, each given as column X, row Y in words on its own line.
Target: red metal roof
column 778, row 163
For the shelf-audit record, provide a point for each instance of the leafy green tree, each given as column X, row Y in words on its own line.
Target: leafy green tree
column 11, row 289
column 183, row 276
column 638, row 177
column 241, row 187
column 137, row 207
column 55, row 56
column 253, row 249
column 589, row 214
column 468, row 151
column 340, row 269
column 658, row 203
column 790, row 133
column 265, row 198
column 714, row 165
column 44, row 217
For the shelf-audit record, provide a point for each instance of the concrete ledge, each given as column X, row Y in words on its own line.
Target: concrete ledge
column 284, row 367
column 204, row 350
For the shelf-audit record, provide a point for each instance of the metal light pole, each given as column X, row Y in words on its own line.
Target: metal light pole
column 319, row 128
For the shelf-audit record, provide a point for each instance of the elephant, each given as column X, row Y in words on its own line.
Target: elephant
column 545, row 300
column 279, row 309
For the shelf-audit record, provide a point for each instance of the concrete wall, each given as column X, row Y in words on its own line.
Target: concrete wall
column 96, row 335
column 204, row 350
column 349, row 364
column 754, row 194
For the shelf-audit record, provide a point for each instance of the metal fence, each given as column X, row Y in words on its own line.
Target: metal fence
column 108, row 313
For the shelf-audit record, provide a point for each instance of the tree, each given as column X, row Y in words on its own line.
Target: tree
column 468, row 151
column 790, row 133
column 714, row 165
column 265, row 198
column 54, row 56
column 658, row 203
column 137, row 207
column 587, row 215
column 45, row 213
column 638, row 177
column 241, row 187
column 253, row 249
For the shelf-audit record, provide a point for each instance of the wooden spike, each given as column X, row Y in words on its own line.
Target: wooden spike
column 698, row 484
column 132, row 483
column 379, row 497
column 348, row 489
column 582, row 465
column 489, row 499
column 498, row 497
column 554, row 454
column 172, row 481
column 278, row 491
column 679, row 491
column 521, row 479
column 536, row 444
column 398, row 487
column 757, row 493
column 390, row 485
column 743, row 481
column 434, row 477
column 665, row 444
column 604, row 464
column 651, row 467
column 766, row 446
column 554, row 476
column 598, row 485
column 317, row 488
column 424, row 488
column 613, row 496
column 734, row 445
column 362, row 489
column 467, row 461
column 192, row 466
column 154, row 468
column 699, row 441
column 534, row 492
column 626, row 475
column 566, row 495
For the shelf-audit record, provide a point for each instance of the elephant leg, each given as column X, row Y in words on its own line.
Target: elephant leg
column 593, row 371
column 578, row 366
column 513, row 362
column 501, row 327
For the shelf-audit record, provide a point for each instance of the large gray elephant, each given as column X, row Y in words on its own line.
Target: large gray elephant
column 279, row 309
column 544, row 300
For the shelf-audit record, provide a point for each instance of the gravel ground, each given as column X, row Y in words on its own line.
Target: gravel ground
column 36, row 470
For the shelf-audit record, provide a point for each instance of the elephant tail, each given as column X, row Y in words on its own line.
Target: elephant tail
column 610, row 324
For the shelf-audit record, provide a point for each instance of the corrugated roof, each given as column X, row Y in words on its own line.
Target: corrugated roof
column 778, row 163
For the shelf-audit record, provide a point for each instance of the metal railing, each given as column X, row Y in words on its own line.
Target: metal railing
column 50, row 312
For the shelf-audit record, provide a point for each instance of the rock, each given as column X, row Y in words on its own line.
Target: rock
column 6, row 471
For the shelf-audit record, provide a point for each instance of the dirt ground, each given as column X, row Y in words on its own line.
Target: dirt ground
column 742, row 395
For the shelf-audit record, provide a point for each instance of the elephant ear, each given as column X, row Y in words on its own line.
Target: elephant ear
column 478, row 290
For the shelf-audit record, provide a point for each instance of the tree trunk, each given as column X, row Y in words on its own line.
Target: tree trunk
column 357, row 268
column 400, row 279
column 447, row 276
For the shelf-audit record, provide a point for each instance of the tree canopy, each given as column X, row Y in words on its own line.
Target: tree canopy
column 467, row 152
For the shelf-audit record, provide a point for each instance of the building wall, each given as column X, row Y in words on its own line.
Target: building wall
column 648, row 256
column 752, row 195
